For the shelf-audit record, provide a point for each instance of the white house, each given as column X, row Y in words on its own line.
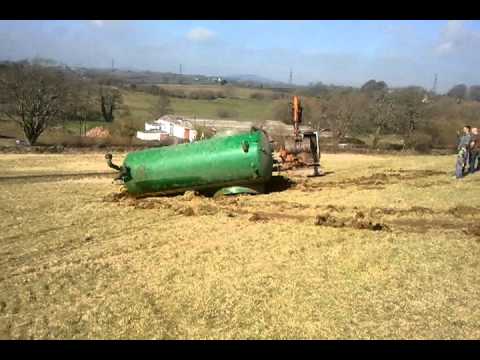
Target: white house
column 168, row 126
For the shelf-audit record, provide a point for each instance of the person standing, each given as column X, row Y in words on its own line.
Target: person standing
column 474, row 145
column 463, row 152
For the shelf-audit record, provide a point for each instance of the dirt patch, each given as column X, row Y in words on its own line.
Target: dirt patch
column 144, row 205
column 357, row 222
column 258, row 217
column 376, row 187
column 376, row 211
column 462, row 210
column 116, row 197
column 421, row 210
column 279, row 183
column 376, row 181
column 335, row 208
column 415, row 210
column 206, row 209
column 283, row 204
column 185, row 211
column 327, row 219
column 423, row 225
column 55, row 177
column 189, row 204
column 415, row 173
column 190, row 195
column 368, row 225
column 430, row 184
column 472, row 230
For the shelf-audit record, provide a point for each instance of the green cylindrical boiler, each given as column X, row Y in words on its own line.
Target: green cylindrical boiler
column 244, row 159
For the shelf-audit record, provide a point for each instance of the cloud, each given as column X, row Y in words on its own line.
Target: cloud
column 200, row 34
column 457, row 38
column 103, row 23
column 408, row 58
column 98, row 23
column 445, row 48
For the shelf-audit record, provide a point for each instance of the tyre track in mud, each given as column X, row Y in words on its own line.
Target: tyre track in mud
column 67, row 248
column 54, row 177
column 329, row 215
column 375, row 181
column 375, row 218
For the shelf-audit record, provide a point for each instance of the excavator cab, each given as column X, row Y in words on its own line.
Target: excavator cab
column 304, row 142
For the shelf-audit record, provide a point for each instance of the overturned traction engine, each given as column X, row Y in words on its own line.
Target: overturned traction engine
column 224, row 165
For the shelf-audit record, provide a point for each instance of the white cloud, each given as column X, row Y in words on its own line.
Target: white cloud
column 200, row 34
column 103, row 23
column 98, row 23
column 455, row 26
column 456, row 37
column 445, row 47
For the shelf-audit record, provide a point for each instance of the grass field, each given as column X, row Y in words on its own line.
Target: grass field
column 79, row 261
column 232, row 91
column 241, row 108
column 238, row 106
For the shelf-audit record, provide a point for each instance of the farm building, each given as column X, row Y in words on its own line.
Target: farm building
column 168, row 126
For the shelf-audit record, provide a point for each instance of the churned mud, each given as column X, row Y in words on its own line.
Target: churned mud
column 79, row 259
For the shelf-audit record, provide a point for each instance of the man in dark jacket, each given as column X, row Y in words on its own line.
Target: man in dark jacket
column 474, row 145
column 463, row 152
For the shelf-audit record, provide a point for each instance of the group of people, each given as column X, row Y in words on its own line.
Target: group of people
column 468, row 152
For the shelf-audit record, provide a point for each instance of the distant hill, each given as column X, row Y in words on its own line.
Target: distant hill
column 250, row 78
column 146, row 77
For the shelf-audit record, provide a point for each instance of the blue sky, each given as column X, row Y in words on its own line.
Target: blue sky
column 346, row 52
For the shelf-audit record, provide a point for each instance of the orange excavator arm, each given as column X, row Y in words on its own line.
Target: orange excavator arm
column 296, row 115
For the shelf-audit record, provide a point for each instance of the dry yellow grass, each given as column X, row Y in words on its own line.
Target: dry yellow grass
column 74, row 264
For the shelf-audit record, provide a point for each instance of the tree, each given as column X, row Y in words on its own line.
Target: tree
column 380, row 114
column 33, row 97
column 408, row 114
column 316, row 89
column 110, row 100
column 282, row 112
column 80, row 103
column 343, row 111
column 128, row 125
column 372, row 85
column 474, row 92
column 162, row 105
column 458, row 91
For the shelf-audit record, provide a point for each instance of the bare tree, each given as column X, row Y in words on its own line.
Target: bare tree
column 110, row 100
column 282, row 112
column 458, row 91
column 380, row 114
column 80, row 103
column 162, row 105
column 343, row 111
column 408, row 114
column 374, row 86
column 474, row 92
column 31, row 96
column 339, row 113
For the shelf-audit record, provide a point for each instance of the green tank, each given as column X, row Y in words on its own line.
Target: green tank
column 239, row 160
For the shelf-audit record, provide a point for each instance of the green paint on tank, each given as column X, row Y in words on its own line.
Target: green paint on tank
column 204, row 165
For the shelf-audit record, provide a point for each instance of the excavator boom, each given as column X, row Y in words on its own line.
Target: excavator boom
column 304, row 142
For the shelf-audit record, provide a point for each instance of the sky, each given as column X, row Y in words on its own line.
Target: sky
column 347, row 52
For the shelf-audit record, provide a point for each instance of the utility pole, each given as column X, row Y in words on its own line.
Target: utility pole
column 113, row 65
column 291, row 77
column 180, row 69
column 434, row 88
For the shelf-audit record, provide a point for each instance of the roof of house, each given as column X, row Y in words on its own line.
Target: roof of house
column 153, row 131
column 176, row 120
